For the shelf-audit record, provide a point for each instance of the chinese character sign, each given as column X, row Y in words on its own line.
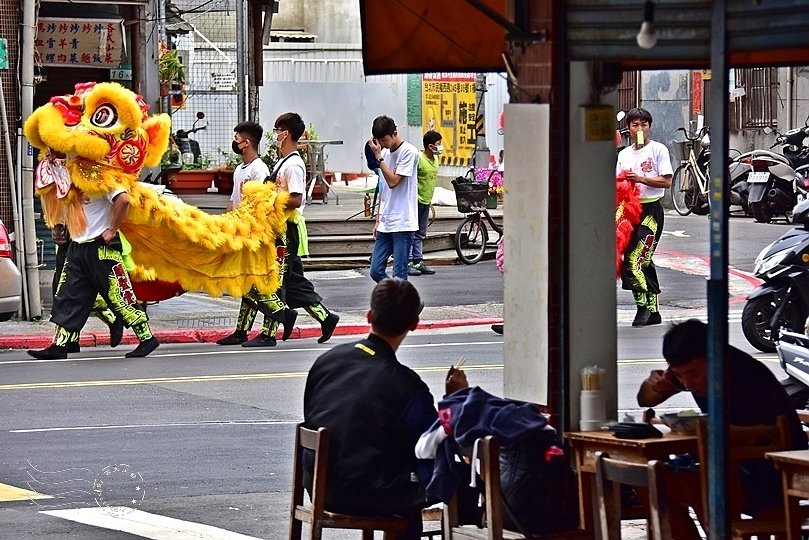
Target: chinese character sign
column 79, row 42
column 449, row 107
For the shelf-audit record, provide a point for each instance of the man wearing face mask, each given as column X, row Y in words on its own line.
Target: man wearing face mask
column 427, row 176
column 245, row 142
column 397, row 218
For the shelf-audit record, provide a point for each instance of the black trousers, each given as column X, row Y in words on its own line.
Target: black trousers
column 297, row 291
column 90, row 269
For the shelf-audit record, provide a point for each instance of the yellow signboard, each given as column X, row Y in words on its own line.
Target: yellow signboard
column 448, row 106
column 79, row 42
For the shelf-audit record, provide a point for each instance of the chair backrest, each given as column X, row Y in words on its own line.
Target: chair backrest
column 610, row 474
column 318, row 443
column 743, row 443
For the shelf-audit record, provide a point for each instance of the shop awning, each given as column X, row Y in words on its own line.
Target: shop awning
column 420, row 36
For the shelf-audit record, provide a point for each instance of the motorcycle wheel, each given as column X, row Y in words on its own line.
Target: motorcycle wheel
column 756, row 318
column 761, row 212
column 680, row 192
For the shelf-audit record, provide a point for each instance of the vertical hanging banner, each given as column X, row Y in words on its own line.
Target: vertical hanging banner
column 449, row 107
column 79, row 42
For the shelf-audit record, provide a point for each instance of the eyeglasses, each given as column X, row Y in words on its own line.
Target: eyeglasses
column 278, row 130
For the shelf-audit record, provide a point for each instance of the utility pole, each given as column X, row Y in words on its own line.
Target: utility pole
column 32, row 301
column 241, row 61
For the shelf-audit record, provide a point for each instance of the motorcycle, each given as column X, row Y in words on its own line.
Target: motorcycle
column 782, row 300
column 776, row 182
column 188, row 147
column 793, row 354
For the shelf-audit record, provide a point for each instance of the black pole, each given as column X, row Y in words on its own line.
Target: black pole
column 718, row 283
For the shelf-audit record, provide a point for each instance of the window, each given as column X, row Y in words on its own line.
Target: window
column 628, row 91
column 755, row 108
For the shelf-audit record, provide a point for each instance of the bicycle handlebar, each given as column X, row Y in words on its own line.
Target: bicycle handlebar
column 691, row 136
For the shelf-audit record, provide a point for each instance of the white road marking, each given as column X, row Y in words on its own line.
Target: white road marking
column 220, row 351
column 678, row 234
column 164, row 425
column 144, row 524
column 332, row 275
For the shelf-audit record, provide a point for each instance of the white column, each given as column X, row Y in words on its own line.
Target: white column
column 591, row 265
column 525, row 219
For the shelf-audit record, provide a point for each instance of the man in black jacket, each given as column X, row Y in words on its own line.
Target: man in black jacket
column 375, row 409
column 753, row 397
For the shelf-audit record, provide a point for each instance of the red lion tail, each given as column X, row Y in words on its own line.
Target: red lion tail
column 627, row 215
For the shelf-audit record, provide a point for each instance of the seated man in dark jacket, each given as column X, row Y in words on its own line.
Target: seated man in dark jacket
column 375, row 409
column 753, row 397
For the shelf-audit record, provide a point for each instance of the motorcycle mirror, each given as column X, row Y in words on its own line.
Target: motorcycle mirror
column 768, row 130
column 200, row 115
column 620, row 116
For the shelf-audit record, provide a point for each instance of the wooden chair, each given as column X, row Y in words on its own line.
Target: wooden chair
column 610, row 475
column 746, row 443
column 489, row 455
column 316, row 515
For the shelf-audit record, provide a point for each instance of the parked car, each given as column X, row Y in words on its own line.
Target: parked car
column 10, row 278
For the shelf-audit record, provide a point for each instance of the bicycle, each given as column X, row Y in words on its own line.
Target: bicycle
column 472, row 236
column 689, row 187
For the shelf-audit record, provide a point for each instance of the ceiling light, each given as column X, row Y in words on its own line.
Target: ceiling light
column 647, row 37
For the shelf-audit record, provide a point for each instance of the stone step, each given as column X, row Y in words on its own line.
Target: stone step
column 363, row 225
column 352, row 262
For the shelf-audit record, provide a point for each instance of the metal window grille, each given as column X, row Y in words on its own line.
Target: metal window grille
column 756, row 106
column 628, row 97
column 9, row 29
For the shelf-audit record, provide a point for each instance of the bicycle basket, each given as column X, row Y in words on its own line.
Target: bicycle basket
column 470, row 196
column 681, row 149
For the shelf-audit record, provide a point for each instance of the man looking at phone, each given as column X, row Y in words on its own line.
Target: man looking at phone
column 375, row 409
column 397, row 219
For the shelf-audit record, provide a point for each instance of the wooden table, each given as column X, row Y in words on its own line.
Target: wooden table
column 585, row 444
column 794, row 467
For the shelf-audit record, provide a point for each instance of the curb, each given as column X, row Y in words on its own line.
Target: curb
column 210, row 335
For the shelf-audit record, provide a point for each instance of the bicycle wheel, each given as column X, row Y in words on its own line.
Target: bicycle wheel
column 680, row 188
column 470, row 239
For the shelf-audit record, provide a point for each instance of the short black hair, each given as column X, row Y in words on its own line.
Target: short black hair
column 431, row 137
column 638, row 113
column 293, row 123
column 685, row 342
column 250, row 131
column 383, row 125
column 395, row 304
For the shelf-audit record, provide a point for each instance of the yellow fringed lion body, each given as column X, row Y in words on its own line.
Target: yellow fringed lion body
column 107, row 137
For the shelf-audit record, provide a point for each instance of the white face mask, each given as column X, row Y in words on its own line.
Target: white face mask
column 439, row 149
column 274, row 137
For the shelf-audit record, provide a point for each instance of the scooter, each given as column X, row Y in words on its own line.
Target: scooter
column 189, row 148
column 777, row 181
column 782, row 301
column 793, row 353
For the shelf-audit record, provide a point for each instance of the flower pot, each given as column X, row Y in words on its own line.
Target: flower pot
column 224, row 181
column 191, row 182
column 491, row 201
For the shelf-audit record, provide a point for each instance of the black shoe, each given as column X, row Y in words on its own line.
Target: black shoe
column 261, row 340
column 144, row 348
column 51, row 352
column 498, row 328
column 654, row 318
column 116, row 332
column 642, row 316
column 287, row 318
column 327, row 327
column 72, row 347
column 236, row 338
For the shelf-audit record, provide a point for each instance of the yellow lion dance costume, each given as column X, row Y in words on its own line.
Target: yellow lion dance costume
column 108, row 137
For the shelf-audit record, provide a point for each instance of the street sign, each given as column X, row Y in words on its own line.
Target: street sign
column 120, row 74
column 3, row 53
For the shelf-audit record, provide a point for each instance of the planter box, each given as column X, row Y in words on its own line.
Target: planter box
column 224, row 181
column 191, row 182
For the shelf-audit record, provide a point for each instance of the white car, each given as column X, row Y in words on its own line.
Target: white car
column 10, row 278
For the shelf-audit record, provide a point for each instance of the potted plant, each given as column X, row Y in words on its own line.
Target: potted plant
column 170, row 69
column 194, row 177
column 494, row 179
column 224, row 179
